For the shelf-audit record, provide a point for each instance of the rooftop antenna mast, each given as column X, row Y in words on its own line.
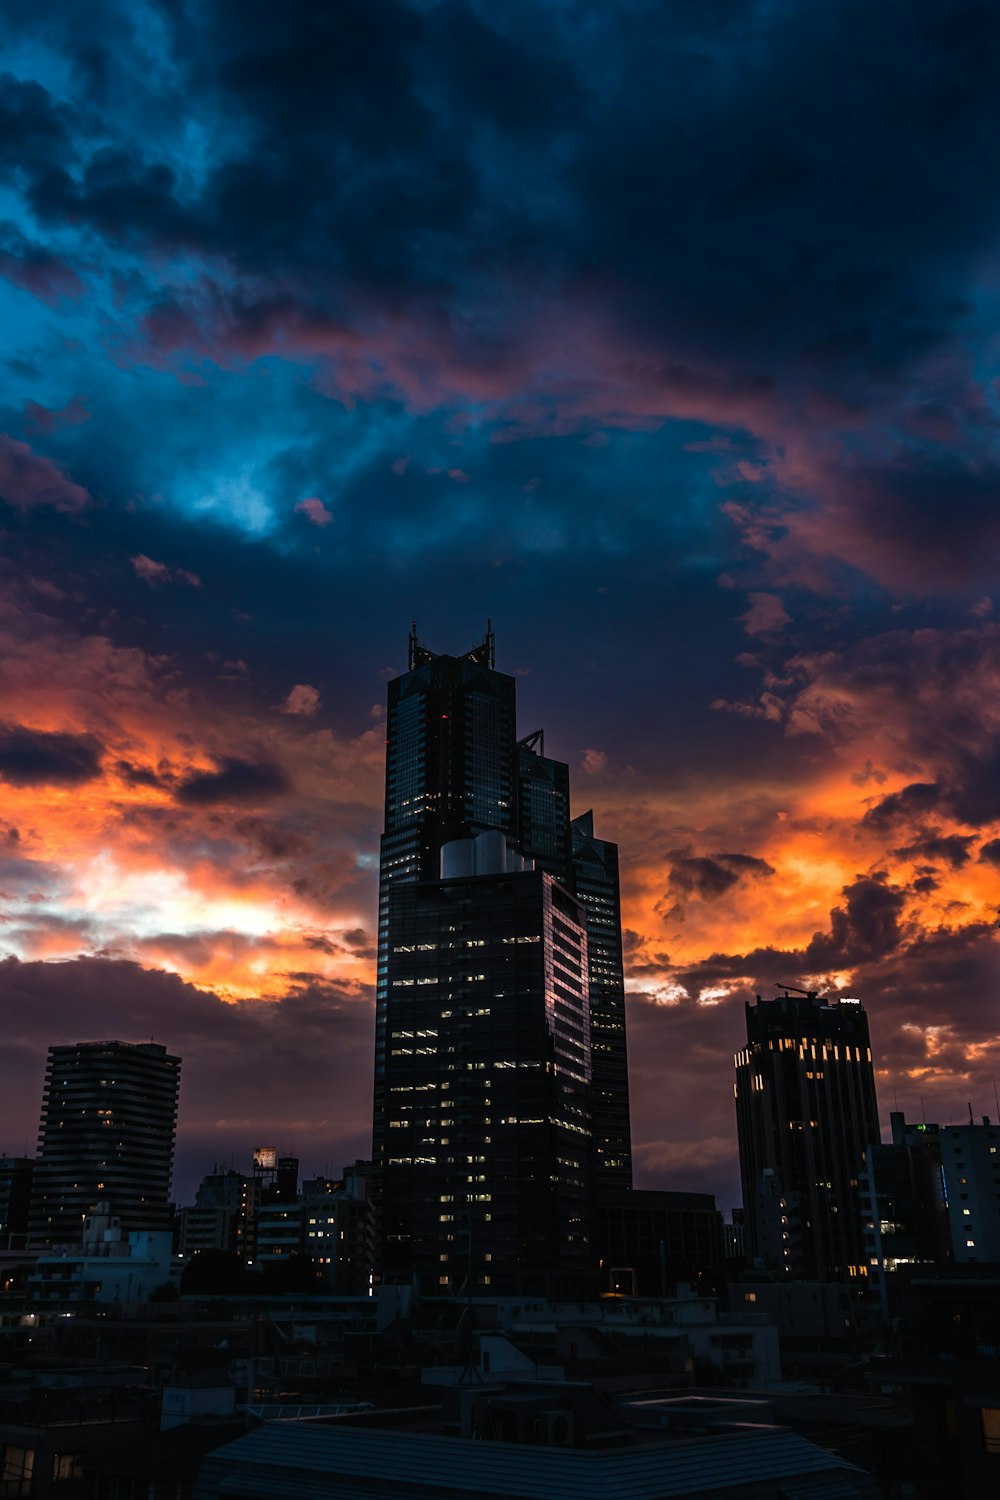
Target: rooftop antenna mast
column 490, row 643
column 413, row 645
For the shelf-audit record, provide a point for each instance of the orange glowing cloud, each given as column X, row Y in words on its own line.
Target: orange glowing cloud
column 153, row 840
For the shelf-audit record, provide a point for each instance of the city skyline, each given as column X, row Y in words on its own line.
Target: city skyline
column 689, row 388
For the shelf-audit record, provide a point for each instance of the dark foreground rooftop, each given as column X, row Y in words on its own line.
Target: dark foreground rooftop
column 306, row 1462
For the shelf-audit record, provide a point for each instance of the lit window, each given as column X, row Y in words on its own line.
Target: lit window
column 991, row 1428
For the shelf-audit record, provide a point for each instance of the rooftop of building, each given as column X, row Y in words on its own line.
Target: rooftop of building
column 308, row 1460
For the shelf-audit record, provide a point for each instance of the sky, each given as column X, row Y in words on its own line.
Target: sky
column 666, row 337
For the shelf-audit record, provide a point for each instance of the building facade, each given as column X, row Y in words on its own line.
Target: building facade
column 501, row 1094
column 222, row 1215
column 661, row 1237
column 16, row 1173
column 109, row 1114
column 806, row 1113
column 931, row 1197
column 485, row 1178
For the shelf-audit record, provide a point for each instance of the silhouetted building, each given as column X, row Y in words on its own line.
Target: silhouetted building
column 487, row 1075
column 970, row 1174
column 931, row 1197
column 16, row 1173
column 806, row 1112
column 222, row 1215
column 479, row 842
column 663, row 1237
column 109, row 1112
column 338, row 1229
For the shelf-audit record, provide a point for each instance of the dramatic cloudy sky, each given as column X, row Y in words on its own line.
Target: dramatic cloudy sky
column 665, row 335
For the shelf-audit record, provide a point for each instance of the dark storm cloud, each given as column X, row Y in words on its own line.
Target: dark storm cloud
column 379, row 139
column 970, row 792
column 705, row 878
column 310, row 1052
column 709, row 876
column 352, row 119
column 867, row 926
column 975, row 796
column 990, row 852
column 913, row 801
column 34, row 129
column 797, row 111
column 952, row 848
column 30, row 757
column 235, row 781
column 421, row 202
column 137, row 775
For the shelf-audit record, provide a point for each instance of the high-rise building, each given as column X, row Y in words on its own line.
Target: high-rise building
column 499, row 962
column 16, row 1173
column 588, row 866
column 109, row 1112
column 485, row 1173
column 595, row 884
column 932, row 1196
column 806, row 1113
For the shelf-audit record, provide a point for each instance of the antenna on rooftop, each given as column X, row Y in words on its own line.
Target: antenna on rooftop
column 490, row 644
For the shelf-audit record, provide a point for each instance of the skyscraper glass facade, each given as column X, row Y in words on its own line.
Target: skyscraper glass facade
column 492, row 987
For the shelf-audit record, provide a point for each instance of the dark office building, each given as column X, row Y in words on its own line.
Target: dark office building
column 222, row 1217
column 806, row 1113
column 16, row 1173
column 648, row 1241
column 480, row 861
column 107, row 1134
column 487, row 1075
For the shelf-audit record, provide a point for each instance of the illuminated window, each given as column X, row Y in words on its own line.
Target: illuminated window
column 991, row 1428
column 18, row 1463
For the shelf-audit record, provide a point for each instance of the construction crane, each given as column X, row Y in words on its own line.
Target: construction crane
column 794, row 989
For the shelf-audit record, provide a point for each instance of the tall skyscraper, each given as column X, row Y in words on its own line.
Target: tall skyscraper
column 499, row 961
column 568, row 848
column 595, row 884
column 109, row 1112
column 806, row 1113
